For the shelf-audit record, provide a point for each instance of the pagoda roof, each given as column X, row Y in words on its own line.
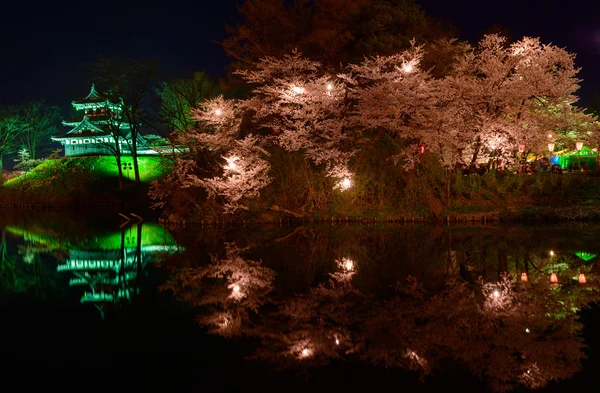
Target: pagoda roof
column 94, row 97
column 85, row 128
column 94, row 119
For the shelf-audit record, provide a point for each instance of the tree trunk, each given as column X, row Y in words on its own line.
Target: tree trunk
column 448, row 172
column 476, row 152
column 118, row 159
column 136, row 168
column 1, row 170
column 502, row 262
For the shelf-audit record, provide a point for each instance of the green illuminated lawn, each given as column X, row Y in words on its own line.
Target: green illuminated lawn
column 151, row 168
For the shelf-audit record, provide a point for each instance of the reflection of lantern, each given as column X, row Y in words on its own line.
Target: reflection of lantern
column 581, row 278
column 524, row 277
column 553, row 278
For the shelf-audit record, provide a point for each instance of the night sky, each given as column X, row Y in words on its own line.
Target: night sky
column 45, row 45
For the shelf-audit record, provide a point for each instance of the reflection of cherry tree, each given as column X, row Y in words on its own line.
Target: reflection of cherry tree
column 230, row 286
column 502, row 332
column 505, row 331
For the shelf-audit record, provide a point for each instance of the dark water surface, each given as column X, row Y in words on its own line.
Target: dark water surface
column 87, row 305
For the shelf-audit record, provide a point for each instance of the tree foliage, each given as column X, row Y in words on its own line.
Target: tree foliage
column 495, row 103
column 41, row 122
column 332, row 32
column 178, row 98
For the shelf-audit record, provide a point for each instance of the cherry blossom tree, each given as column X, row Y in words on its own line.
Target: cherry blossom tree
column 496, row 100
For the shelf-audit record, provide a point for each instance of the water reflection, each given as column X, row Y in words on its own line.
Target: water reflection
column 103, row 265
column 483, row 299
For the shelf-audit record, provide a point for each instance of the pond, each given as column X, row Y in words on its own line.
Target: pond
column 312, row 307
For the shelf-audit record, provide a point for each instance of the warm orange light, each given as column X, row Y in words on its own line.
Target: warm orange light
column 329, row 86
column 550, row 147
column 346, row 183
column 579, row 146
column 231, row 165
column 236, row 288
column 549, row 136
column 553, row 278
column 551, row 253
column 349, row 265
column 297, row 89
column 581, row 278
column 524, row 277
column 218, row 112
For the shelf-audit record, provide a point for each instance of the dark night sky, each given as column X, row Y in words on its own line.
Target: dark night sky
column 44, row 46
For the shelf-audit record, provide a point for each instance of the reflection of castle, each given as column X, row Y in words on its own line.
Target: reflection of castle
column 111, row 266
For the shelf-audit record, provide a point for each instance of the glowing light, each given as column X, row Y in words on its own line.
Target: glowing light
column 550, row 147
column 581, row 278
column 346, row 184
column 298, row 89
column 524, row 277
column 407, row 67
column 305, row 353
column 231, row 165
column 549, row 136
column 337, row 341
column 553, row 278
column 527, row 330
column 329, row 86
column 522, row 148
column 218, row 112
column 551, row 253
column 422, row 149
column 236, row 289
column 496, row 293
column 579, row 146
column 348, row 265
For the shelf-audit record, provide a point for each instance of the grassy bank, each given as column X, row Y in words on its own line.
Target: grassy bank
column 382, row 191
column 302, row 193
column 79, row 181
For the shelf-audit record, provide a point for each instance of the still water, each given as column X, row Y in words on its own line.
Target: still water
column 93, row 300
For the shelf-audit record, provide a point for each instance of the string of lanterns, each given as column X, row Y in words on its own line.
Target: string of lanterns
column 553, row 276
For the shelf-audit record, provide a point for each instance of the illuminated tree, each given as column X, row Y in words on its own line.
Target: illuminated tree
column 132, row 83
column 11, row 127
column 494, row 99
column 179, row 97
column 24, row 161
column 41, row 122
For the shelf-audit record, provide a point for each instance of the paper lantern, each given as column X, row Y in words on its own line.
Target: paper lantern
column 524, row 277
column 581, row 278
column 553, row 278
